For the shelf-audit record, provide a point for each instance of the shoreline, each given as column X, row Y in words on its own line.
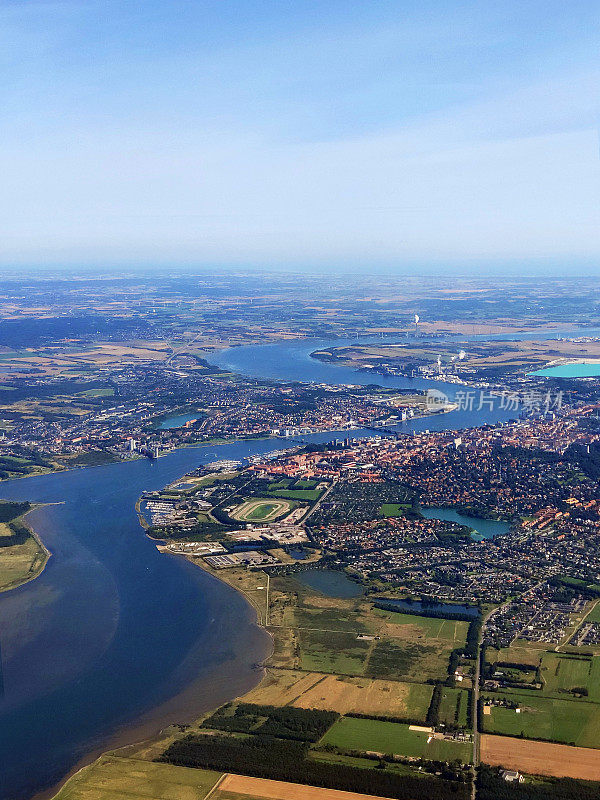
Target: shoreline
column 125, row 735
column 47, row 554
column 156, row 733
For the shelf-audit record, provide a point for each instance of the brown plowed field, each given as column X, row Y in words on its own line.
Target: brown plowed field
column 541, row 758
column 280, row 790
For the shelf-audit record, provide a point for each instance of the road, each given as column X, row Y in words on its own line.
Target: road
column 476, row 681
column 475, row 701
column 318, row 503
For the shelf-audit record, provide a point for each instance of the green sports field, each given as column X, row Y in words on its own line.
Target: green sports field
column 296, row 494
column 394, row 738
column 394, row 509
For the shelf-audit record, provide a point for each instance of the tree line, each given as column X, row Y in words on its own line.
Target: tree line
column 277, row 759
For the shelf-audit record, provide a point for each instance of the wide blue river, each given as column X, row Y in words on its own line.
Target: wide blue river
column 116, row 640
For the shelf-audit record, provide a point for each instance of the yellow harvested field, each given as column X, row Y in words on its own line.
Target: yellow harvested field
column 282, row 687
column 541, row 758
column 262, row 789
column 360, row 696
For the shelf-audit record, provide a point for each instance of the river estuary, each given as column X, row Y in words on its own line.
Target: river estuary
column 115, row 640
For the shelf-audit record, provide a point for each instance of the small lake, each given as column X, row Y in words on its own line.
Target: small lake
column 329, row 582
column 581, row 370
column 179, row 420
column 417, row 607
column 483, row 528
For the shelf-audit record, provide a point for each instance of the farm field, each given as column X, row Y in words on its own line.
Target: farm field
column 378, row 736
column 518, row 653
column 541, row 758
column 567, row 721
column 454, row 706
column 113, row 778
column 344, row 694
column 455, row 631
column 376, row 697
column 562, row 673
column 239, row 787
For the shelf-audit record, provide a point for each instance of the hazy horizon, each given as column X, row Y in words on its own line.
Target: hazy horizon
column 396, row 138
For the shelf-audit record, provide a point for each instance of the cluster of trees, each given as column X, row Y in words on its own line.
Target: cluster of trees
column 287, row 722
column 433, row 712
column 588, row 462
column 585, row 588
column 9, row 513
column 10, row 510
column 21, row 462
column 491, row 786
column 473, row 634
column 277, row 759
column 453, row 662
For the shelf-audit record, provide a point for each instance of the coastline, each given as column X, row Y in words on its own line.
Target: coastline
column 144, row 730
column 155, row 733
column 152, row 725
column 42, row 549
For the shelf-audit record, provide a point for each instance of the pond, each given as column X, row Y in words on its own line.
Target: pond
column 417, row 607
column 483, row 528
column 298, row 553
column 179, row 420
column 329, row 582
column 579, row 370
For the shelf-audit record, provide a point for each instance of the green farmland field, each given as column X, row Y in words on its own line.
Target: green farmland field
column 567, row 721
column 395, row 738
column 563, row 673
column 112, row 778
column 453, row 708
column 453, row 630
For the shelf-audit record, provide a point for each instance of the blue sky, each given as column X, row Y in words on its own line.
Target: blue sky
column 321, row 134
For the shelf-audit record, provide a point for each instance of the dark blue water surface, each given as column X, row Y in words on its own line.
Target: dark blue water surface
column 115, row 640
column 291, row 361
column 417, row 607
column 112, row 630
